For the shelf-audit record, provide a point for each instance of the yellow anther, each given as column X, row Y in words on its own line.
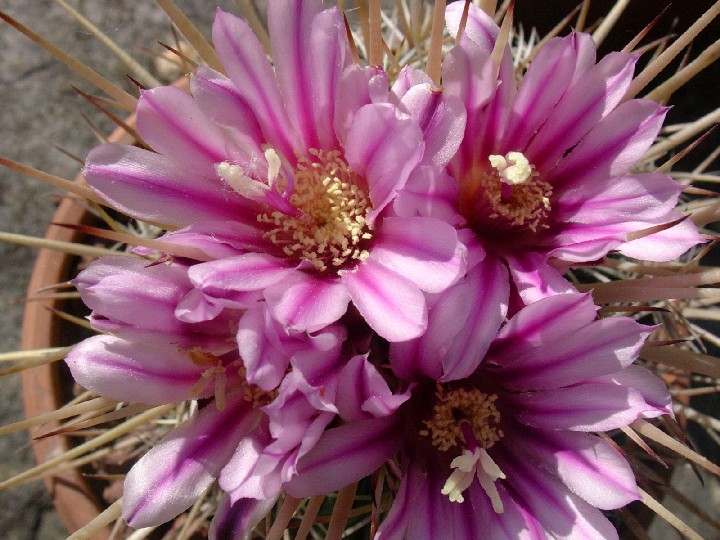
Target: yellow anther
column 473, row 406
column 515, row 192
column 333, row 208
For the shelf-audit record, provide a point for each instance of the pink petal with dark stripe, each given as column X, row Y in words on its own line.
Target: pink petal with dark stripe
column 612, row 147
column 363, row 393
column 534, row 278
column 429, row 192
column 665, row 245
column 543, row 85
column 589, row 406
column 562, row 514
column 125, row 289
column 218, row 98
column 247, row 272
column 590, row 467
column 391, row 304
column 424, row 250
column 152, row 373
column 310, row 51
column 588, row 101
column 462, row 322
column 344, row 455
column 600, row 348
column 306, row 303
column 618, row 199
column 250, row 71
column 383, row 145
column 441, row 118
column 171, row 122
column 153, row 187
column 544, row 323
column 407, row 79
column 236, row 518
column 176, row 472
column 653, row 389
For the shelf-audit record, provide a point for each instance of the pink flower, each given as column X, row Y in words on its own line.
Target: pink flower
column 545, row 169
column 290, row 174
column 507, row 450
column 257, row 415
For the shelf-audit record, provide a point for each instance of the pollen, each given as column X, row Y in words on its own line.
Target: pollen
column 331, row 229
column 459, row 405
column 515, row 192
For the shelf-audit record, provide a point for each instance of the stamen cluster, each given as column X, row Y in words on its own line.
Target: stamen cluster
column 460, row 404
column 515, row 192
column 332, row 226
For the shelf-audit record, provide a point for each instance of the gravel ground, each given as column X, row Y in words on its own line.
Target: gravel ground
column 40, row 111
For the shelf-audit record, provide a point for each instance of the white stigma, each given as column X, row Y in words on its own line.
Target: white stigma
column 513, row 168
column 237, row 178
column 471, row 465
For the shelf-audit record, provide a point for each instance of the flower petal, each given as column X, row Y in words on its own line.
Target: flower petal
column 154, row 373
column 309, row 51
column 590, row 467
column 612, row 146
column 544, row 83
column 561, row 513
column 599, row 348
column 391, row 304
column 441, row 117
column 429, row 192
column 650, row 386
column 363, row 393
column 534, row 278
column 235, row 519
column 665, row 245
column 424, row 250
column 171, row 122
column 250, row 71
column 457, row 336
column 247, row 272
column 384, row 146
column 306, row 303
column 344, row 455
column 614, row 200
column 152, row 187
column 175, row 473
column 590, row 406
column 583, row 106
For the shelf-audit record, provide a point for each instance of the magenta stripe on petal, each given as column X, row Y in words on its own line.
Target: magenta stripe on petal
column 153, row 187
column 248, row 67
column 561, row 513
column 175, row 473
column 290, row 25
column 161, row 373
column 236, row 518
column 600, row 348
column 391, row 304
column 303, row 302
column 344, row 455
column 590, row 467
column 171, row 122
column 384, row 146
column 247, row 272
column 586, row 407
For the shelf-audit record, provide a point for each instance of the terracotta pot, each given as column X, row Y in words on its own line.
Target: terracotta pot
column 48, row 387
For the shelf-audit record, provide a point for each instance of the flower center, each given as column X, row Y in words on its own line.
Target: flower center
column 472, row 416
column 331, row 228
column 515, row 192
column 460, row 408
